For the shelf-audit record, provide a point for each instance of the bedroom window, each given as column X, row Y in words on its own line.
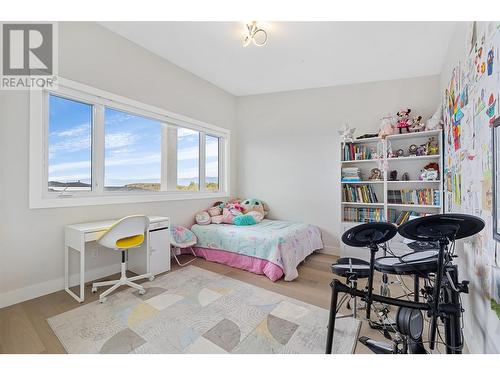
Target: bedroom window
column 69, row 145
column 90, row 147
column 188, row 159
column 132, row 152
column 211, row 162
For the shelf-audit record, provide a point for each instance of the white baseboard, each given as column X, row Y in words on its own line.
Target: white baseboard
column 37, row 290
column 331, row 250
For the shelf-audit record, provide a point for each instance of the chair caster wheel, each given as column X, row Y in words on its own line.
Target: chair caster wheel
column 102, row 300
column 142, row 292
column 94, row 290
column 151, row 278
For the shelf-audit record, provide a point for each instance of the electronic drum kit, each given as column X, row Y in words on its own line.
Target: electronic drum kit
column 434, row 238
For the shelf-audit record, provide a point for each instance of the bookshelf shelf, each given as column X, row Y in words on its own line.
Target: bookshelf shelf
column 416, row 158
column 362, row 204
column 414, row 182
column 424, row 134
column 363, row 182
column 412, row 205
column 359, row 161
column 432, row 191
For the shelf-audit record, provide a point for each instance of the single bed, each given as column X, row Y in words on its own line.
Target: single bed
column 272, row 247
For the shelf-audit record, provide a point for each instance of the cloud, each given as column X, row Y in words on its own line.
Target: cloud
column 211, row 170
column 119, row 140
column 136, row 160
column 63, row 167
column 73, row 131
column 191, row 153
column 71, row 145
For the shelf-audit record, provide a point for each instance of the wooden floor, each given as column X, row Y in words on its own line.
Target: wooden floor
column 24, row 329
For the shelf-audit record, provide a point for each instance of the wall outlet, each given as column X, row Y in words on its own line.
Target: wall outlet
column 95, row 253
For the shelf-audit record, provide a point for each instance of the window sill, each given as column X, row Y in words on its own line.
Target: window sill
column 76, row 201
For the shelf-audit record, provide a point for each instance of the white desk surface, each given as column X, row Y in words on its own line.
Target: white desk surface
column 96, row 226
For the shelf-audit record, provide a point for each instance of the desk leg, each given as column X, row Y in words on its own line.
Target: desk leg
column 82, row 275
column 66, row 267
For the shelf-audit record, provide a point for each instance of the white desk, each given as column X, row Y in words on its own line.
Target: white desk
column 77, row 235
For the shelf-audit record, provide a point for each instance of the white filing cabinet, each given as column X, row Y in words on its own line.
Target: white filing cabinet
column 159, row 242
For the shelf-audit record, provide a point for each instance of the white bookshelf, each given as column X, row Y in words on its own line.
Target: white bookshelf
column 410, row 164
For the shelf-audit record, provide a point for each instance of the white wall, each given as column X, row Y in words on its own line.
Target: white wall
column 482, row 326
column 288, row 145
column 31, row 241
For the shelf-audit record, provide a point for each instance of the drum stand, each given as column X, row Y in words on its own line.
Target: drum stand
column 444, row 304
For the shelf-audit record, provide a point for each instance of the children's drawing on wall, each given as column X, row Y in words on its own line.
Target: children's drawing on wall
column 487, row 192
column 472, row 99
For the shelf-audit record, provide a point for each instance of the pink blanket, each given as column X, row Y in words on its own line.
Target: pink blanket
column 244, row 262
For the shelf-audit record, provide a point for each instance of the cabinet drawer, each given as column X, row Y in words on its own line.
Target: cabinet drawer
column 158, row 225
column 93, row 236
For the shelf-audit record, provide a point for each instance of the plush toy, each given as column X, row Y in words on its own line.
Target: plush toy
column 403, row 120
column 202, row 218
column 214, row 211
column 435, row 122
column 430, row 172
column 416, row 124
column 386, row 127
column 254, row 212
column 244, row 220
column 347, row 134
column 253, row 204
column 432, row 147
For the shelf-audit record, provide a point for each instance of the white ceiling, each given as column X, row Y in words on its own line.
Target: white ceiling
column 298, row 55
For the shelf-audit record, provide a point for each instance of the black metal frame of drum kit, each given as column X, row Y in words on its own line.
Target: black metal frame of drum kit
column 441, row 299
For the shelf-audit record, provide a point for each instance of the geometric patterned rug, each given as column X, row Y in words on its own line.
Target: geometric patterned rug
column 192, row 310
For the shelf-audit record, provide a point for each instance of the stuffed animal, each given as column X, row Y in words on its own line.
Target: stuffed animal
column 435, row 122
column 430, row 172
column 253, row 204
column 254, row 212
column 386, row 127
column 416, row 124
column 403, row 120
column 202, row 218
column 347, row 134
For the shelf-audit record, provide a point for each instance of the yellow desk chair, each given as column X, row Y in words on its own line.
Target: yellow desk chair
column 127, row 233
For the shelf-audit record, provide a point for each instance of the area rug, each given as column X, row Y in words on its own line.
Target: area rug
column 193, row 310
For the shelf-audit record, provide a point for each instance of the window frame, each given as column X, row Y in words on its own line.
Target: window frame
column 40, row 197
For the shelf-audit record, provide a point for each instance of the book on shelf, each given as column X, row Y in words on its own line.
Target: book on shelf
column 363, row 215
column 359, row 194
column 429, row 197
column 356, row 152
column 403, row 216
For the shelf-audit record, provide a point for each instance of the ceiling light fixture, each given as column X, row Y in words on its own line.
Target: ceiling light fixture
column 255, row 35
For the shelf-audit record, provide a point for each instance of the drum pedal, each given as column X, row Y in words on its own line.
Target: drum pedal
column 378, row 347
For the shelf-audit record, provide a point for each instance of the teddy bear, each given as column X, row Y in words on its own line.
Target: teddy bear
column 403, row 120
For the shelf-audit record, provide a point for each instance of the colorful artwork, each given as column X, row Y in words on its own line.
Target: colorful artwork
column 472, row 105
column 491, row 55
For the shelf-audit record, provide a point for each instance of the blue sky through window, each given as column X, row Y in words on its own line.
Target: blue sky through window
column 70, row 137
column 132, row 149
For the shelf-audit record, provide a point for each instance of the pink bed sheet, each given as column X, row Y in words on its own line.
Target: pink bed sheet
column 244, row 262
